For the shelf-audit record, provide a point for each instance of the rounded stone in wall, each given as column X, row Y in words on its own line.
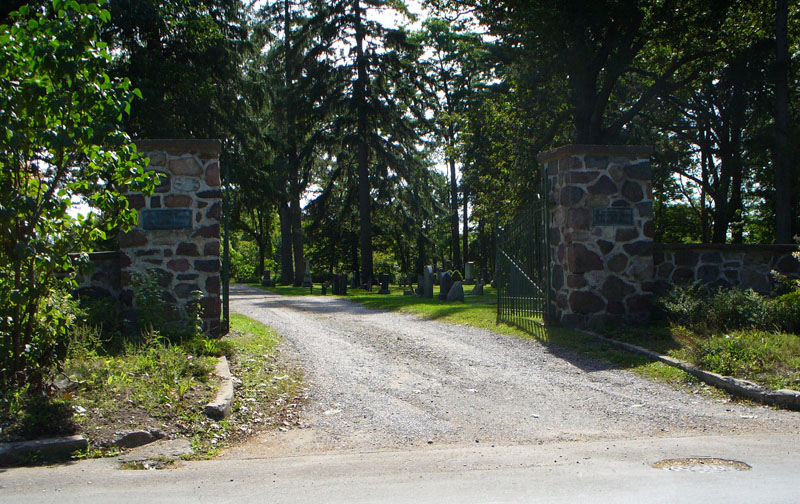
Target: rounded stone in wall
column 586, row 302
column 615, row 289
column 603, row 186
column 618, row 263
column 632, row 191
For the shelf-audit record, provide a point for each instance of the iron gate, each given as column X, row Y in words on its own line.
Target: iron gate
column 523, row 269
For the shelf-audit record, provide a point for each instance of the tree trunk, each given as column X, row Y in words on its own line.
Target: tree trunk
column 783, row 170
column 364, row 199
column 287, row 271
column 297, row 241
column 455, row 247
column 465, row 232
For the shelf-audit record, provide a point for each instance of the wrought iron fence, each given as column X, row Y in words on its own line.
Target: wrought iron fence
column 523, row 269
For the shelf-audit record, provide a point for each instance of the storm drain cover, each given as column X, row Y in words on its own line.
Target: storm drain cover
column 701, row 465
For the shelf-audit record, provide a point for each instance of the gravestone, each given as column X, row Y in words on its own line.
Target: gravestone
column 445, row 283
column 384, row 280
column 420, row 291
column 339, row 285
column 478, row 289
column 427, row 291
column 469, row 273
column 307, row 275
column 448, row 265
column 456, row 292
column 266, row 279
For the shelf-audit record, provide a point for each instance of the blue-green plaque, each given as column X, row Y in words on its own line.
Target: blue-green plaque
column 170, row 218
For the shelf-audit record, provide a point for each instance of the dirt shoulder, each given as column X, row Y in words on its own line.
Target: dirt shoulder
column 386, row 380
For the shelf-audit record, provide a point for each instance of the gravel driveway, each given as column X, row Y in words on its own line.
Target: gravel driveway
column 384, row 380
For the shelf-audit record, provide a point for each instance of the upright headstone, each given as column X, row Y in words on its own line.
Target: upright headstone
column 469, row 273
column 266, row 278
column 307, row 275
column 445, row 282
column 420, row 291
column 478, row 289
column 384, row 280
column 456, row 292
column 601, row 233
column 427, row 291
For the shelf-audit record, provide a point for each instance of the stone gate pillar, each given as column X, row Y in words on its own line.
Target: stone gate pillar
column 601, row 233
column 178, row 233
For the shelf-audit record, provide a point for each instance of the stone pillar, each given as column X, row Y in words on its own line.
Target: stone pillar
column 178, row 233
column 601, row 233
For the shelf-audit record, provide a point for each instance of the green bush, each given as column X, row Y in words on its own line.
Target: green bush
column 729, row 309
column 457, row 277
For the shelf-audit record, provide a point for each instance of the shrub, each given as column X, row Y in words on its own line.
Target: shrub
column 457, row 277
column 684, row 304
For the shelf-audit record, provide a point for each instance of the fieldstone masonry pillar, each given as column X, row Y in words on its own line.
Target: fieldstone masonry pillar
column 601, row 233
column 178, row 234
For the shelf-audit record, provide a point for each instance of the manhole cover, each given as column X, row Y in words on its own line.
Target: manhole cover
column 701, row 465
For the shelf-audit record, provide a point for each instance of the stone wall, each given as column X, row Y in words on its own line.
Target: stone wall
column 746, row 266
column 100, row 277
column 601, row 233
column 178, row 234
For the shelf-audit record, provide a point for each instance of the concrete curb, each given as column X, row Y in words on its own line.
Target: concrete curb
column 41, row 449
column 220, row 407
column 789, row 399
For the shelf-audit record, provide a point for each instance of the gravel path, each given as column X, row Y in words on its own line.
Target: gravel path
column 384, row 380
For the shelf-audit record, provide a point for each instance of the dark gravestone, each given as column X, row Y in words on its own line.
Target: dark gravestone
column 266, row 280
column 427, row 290
column 172, row 218
column 445, row 282
column 477, row 290
column 456, row 292
column 339, row 285
column 384, row 280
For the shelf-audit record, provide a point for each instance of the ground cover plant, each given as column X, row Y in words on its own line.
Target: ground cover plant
column 729, row 331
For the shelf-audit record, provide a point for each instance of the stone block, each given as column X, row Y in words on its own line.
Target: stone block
column 576, row 281
column 756, row 280
column 456, row 292
column 645, row 209
column 604, row 185
column 632, row 191
column 618, row 263
column 581, row 177
column 615, row 308
column 211, row 231
column 557, row 277
column 185, row 166
column 211, row 306
column 210, row 194
column 215, row 212
column 177, row 201
column 212, row 175
column 596, row 162
column 707, row 273
column 185, row 184
column 682, row 275
column 207, row 265
column 649, row 229
column 136, row 201
column 626, row 234
column 155, row 202
column 571, row 195
column 211, row 248
column 187, row 249
column 586, row 302
column 686, row 258
column 579, row 218
column 711, row 257
column 787, row 265
column 133, row 238
column 605, row 246
column 639, row 171
column 582, row 259
column 639, row 248
column 185, row 277
column 184, row 290
column 213, row 285
column 179, row 265
column 615, row 289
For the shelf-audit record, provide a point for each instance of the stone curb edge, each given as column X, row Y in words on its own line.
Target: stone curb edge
column 220, row 407
column 49, row 449
column 789, row 399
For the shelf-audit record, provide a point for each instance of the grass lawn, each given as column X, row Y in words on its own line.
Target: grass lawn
column 481, row 312
column 769, row 358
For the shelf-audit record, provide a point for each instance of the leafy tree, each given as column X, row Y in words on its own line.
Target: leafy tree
column 60, row 139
